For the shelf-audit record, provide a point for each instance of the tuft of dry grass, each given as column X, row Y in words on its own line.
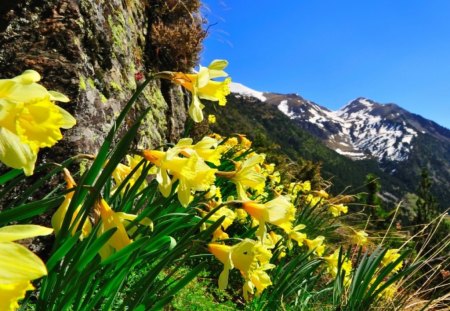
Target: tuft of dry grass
column 175, row 34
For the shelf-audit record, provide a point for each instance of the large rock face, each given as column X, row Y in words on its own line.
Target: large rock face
column 95, row 52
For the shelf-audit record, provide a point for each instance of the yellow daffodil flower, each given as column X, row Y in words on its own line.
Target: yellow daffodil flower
column 207, row 149
column 391, row 256
column 193, row 173
column 299, row 187
column 18, row 265
column 312, row 200
column 244, row 141
column 111, row 219
column 127, row 218
column 122, row 171
column 249, row 175
column 230, row 216
column 296, row 235
column 250, row 258
column 279, row 212
column 332, row 266
column 337, row 209
column 272, row 240
column 60, row 214
column 201, row 85
column 212, row 119
column 360, row 237
column 316, row 245
column 29, row 120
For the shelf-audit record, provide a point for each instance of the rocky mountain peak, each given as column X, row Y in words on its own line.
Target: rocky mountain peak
column 361, row 129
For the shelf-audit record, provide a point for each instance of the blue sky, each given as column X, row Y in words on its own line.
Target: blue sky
column 332, row 51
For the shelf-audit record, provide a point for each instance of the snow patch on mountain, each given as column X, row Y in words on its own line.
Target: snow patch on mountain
column 246, row 91
column 284, row 108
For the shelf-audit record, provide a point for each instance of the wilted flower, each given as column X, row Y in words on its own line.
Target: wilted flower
column 18, row 265
column 29, row 120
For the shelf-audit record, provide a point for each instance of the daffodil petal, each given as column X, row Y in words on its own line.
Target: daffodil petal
column 184, row 193
column 218, row 64
column 18, row 264
column 67, row 120
column 57, row 96
column 14, row 153
column 195, row 109
column 202, row 77
column 19, row 232
column 5, row 87
column 11, row 293
column 27, row 92
column 28, row 76
column 223, row 277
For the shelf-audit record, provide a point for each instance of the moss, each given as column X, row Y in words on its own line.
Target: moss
column 82, row 83
column 103, row 98
column 91, row 83
column 115, row 86
column 118, row 32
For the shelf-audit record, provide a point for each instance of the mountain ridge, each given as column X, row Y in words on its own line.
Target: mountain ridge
column 361, row 129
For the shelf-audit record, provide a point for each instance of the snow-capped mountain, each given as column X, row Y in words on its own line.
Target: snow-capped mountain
column 361, row 129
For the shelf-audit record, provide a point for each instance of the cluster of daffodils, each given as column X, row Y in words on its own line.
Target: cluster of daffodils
column 103, row 215
column 254, row 197
column 29, row 120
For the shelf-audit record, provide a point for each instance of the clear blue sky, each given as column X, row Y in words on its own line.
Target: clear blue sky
column 332, row 51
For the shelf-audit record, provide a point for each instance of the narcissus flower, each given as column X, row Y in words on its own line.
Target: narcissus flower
column 296, row 235
column 212, row 119
column 60, row 214
column 207, row 149
column 230, row 216
column 279, row 212
column 111, row 219
column 391, row 256
column 29, row 120
column 332, row 265
column 201, row 85
column 316, row 245
column 251, row 258
column 122, row 171
column 360, row 237
column 18, row 265
column 249, row 175
column 193, row 173
column 337, row 209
